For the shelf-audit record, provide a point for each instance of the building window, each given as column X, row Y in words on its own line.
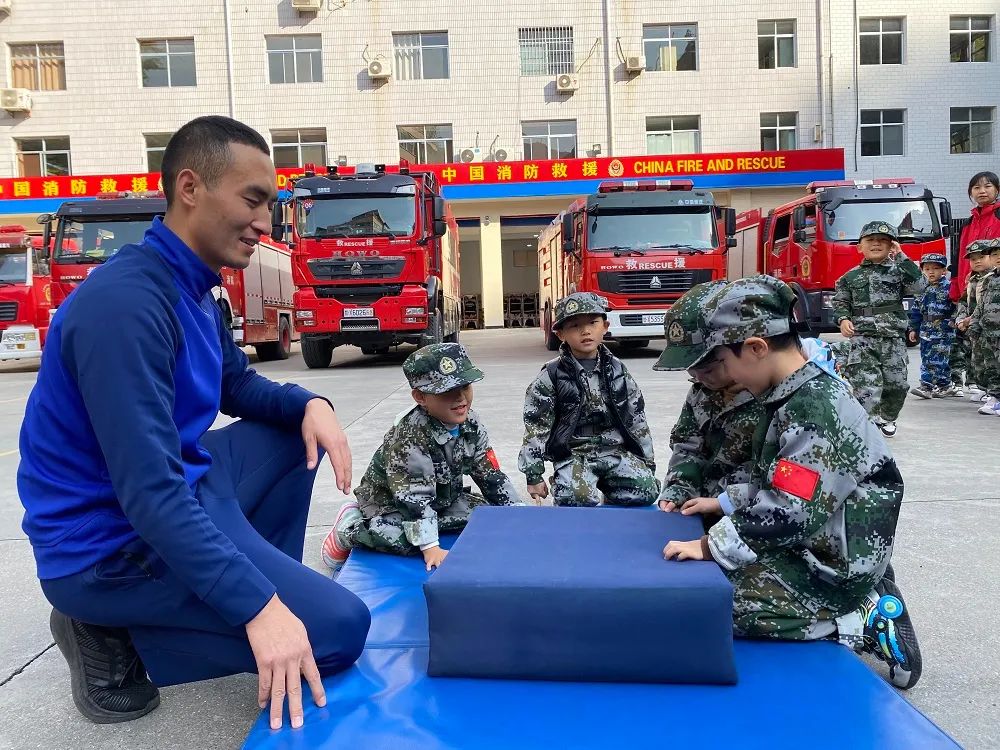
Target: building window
column 167, row 62
column 156, row 144
column 553, row 139
column 880, row 41
column 882, row 132
column 970, row 38
column 671, row 46
column 295, row 59
column 546, row 50
column 43, row 157
column 777, row 131
column 296, row 148
column 972, row 130
column 425, row 144
column 673, row 135
column 775, row 44
column 38, row 66
column 421, row 56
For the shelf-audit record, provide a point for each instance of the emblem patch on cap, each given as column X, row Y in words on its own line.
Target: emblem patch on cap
column 883, row 227
column 447, row 366
column 675, row 333
column 572, row 306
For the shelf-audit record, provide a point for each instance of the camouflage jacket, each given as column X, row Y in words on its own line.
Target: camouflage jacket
column 986, row 317
column 931, row 313
column 711, row 444
column 871, row 296
column 821, row 505
column 598, row 427
column 971, row 295
column 419, row 469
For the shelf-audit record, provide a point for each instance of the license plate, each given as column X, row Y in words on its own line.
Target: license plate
column 359, row 312
column 652, row 320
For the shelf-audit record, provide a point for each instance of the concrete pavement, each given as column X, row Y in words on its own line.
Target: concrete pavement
column 944, row 560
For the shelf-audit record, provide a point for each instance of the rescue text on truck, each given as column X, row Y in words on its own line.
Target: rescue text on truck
column 640, row 244
column 812, row 241
column 375, row 260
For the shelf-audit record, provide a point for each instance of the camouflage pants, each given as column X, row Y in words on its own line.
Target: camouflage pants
column 614, row 478
column 959, row 359
column 876, row 370
column 384, row 532
column 986, row 355
column 935, row 353
column 763, row 607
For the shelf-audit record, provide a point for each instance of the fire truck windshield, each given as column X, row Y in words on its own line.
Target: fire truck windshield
column 914, row 219
column 13, row 266
column 367, row 215
column 651, row 228
column 94, row 240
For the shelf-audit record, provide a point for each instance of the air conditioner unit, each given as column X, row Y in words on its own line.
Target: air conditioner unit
column 6, row 6
column 15, row 100
column 310, row 6
column 567, row 82
column 468, row 155
column 379, row 70
column 635, row 64
column 500, row 155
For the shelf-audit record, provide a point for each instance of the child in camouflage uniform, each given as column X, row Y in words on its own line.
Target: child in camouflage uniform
column 984, row 329
column 586, row 415
column 931, row 325
column 808, row 542
column 868, row 307
column 413, row 489
column 712, row 439
column 978, row 253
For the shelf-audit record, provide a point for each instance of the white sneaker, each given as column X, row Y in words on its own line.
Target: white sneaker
column 888, row 428
column 974, row 391
column 991, row 407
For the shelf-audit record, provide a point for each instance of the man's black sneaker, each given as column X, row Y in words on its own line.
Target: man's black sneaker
column 108, row 678
column 889, row 634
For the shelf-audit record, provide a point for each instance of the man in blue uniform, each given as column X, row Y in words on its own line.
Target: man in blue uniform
column 163, row 546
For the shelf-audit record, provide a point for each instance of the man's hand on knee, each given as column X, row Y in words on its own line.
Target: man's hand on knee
column 320, row 427
column 284, row 656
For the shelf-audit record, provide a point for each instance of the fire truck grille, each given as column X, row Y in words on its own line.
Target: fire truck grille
column 358, row 295
column 366, row 324
column 8, row 311
column 355, row 269
column 651, row 282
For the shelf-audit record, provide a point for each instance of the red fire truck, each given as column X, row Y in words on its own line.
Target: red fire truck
column 640, row 244
column 813, row 241
column 25, row 295
column 375, row 260
column 256, row 303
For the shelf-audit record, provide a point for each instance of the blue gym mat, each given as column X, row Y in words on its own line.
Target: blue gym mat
column 789, row 695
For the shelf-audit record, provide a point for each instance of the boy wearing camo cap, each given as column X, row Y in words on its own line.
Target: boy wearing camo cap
column 711, row 442
column 868, row 307
column 979, row 255
column 808, row 541
column 586, row 415
column 984, row 330
column 414, row 489
column 931, row 325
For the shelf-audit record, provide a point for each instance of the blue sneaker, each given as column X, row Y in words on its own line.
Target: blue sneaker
column 889, row 634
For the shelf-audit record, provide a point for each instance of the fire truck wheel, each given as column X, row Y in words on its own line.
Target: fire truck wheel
column 551, row 340
column 435, row 333
column 279, row 349
column 317, row 353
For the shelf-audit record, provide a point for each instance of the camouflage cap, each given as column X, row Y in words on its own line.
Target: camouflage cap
column 684, row 327
column 873, row 228
column 982, row 246
column 934, row 258
column 754, row 306
column 439, row 368
column 579, row 303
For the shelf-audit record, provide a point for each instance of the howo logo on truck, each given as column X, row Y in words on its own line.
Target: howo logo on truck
column 354, row 254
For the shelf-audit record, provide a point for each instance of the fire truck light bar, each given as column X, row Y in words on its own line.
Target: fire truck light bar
column 815, row 187
column 130, row 194
column 618, row 186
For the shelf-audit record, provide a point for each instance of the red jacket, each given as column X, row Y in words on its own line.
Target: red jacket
column 984, row 225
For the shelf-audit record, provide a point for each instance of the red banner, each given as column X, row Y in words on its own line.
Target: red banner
column 626, row 167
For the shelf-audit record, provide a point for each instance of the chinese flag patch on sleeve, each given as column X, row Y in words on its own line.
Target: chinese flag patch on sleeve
column 795, row 479
column 492, row 458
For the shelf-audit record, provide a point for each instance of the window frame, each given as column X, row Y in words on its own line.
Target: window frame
column 420, row 144
column 672, row 131
column 420, row 48
column 778, row 128
column 552, row 141
column 558, row 51
column 291, row 57
column 670, row 41
column 43, row 154
column 298, row 144
column 775, row 36
column 37, row 77
column 952, row 123
column 882, row 34
column 881, row 125
column 969, row 31
column 168, row 55
column 155, row 149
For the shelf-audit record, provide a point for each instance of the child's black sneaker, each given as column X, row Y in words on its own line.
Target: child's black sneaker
column 889, row 634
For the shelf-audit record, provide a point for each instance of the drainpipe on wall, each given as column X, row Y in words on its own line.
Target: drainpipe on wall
column 229, row 60
column 821, row 71
column 608, row 78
